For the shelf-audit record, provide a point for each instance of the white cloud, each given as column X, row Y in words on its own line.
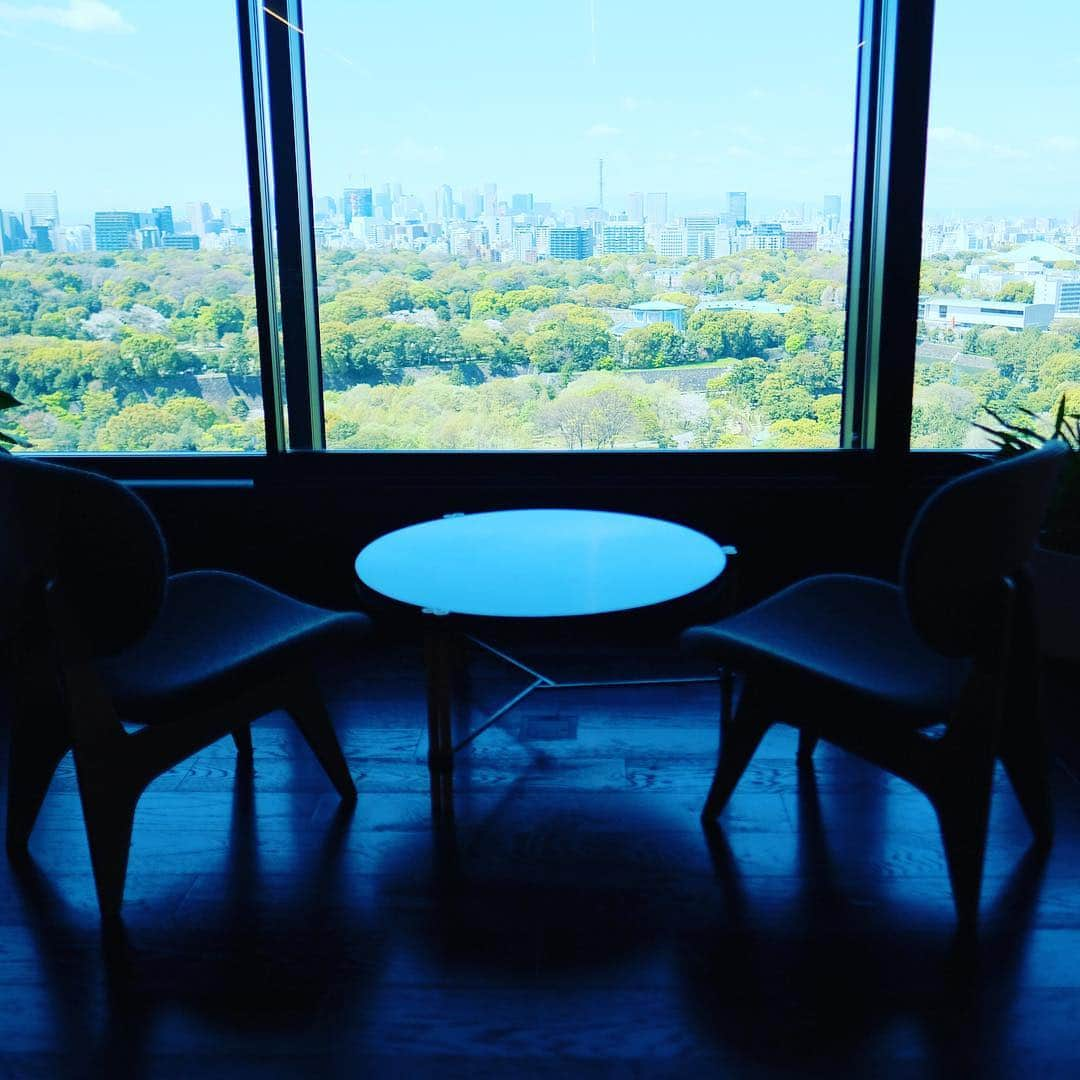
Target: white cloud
column 968, row 140
column 85, row 16
column 734, row 151
column 602, row 131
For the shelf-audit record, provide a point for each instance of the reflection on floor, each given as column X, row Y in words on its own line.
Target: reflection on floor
column 576, row 920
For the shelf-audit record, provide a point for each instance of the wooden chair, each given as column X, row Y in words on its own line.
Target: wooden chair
column 932, row 679
column 99, row 634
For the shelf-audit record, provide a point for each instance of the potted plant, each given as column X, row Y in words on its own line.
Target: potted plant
column 8, row 401
column 1056, row 562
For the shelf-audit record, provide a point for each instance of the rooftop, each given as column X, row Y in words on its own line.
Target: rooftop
column 657, row 305
column 1036, row 249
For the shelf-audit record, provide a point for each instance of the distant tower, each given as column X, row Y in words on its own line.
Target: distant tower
column 737, row 207
column 600, row 192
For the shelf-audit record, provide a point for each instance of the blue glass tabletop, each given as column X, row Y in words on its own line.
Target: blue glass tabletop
column 527, row 564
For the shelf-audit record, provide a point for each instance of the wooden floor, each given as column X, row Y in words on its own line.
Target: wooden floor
column 575, row 921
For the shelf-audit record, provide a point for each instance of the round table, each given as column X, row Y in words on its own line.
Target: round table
column 528, row 564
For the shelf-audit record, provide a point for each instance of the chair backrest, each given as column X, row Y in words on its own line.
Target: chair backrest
column 969, row 534
column 91, row 535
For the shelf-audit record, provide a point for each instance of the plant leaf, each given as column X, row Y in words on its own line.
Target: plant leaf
column 1020, row 430
column 8, row 401
column 1059, row 419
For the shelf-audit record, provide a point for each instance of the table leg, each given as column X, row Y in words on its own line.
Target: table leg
column 441, row 649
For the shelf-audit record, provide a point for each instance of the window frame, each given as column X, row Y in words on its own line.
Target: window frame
column 891, row 110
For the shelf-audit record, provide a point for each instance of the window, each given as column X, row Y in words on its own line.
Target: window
column 552, row 230
column 127, row 307
column 1001, row 237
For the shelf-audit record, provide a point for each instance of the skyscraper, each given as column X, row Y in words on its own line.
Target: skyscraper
column 701, row 235
column 570, row 242
column 12, row 232
column 357, row 202
column 522, row 203
column 491, row 198
column 635, row 206
column 114, row 230
column 474, row 204
column 42, row 208
column 199, row 213
column 163, row 219
column 444, row 203
column 656, row 208
column 831, row 211
column 736, row 204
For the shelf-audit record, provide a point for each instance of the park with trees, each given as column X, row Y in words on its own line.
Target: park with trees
column 158, row 351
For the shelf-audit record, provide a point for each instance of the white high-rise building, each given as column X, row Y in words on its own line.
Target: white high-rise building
column 656, row 208
column 42, row 208
column 635, row 207
column 670, row 241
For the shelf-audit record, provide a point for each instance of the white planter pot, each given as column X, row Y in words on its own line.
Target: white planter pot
column 1057, row 599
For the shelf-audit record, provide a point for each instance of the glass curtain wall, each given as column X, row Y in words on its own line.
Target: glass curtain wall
column 582, row 226
column 127, row 301
column 999, row 292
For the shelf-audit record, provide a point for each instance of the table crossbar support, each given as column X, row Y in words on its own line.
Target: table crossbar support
column 544, row 682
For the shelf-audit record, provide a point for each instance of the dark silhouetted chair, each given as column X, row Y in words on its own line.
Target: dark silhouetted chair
column 100, row 636
column 932, row 679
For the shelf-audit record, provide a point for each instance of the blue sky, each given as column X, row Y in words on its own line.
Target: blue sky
column 127, row 103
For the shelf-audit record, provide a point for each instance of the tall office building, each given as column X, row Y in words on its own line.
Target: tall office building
column 766, row 237
column 491, row 198
column 12, row 232
column 163, row 219
column 623, row 239
column 569, row 242
column 384, row 202
column 521, row 203
column 831, row 212
column 474, row 204
column 736, row 205
column 114, row 230
column 357, row 202
column 701, row 235
column 199, row 213
column 656, row 208
column 444, row 202
column 325, row 206
column 635, row 206
column 42, row 208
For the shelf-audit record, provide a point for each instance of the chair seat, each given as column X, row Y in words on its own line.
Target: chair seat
column 216, row 634
column 851, row 632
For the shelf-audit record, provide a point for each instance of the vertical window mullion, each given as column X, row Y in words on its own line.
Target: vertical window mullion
column 890, row 178
column 295, row 229
column 249, row 13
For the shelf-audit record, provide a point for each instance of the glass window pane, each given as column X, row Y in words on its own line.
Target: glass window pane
column 999, row 293
column 580, row 225
column 127, row 310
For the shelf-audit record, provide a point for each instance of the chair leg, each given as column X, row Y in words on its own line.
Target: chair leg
column 964, row 816
column 108, row 813
column 740, row 739
column 242, row 737
column 808, row 740
column 310, row 715
column 37, row 747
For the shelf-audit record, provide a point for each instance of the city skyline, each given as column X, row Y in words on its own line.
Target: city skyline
column 534, row 105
